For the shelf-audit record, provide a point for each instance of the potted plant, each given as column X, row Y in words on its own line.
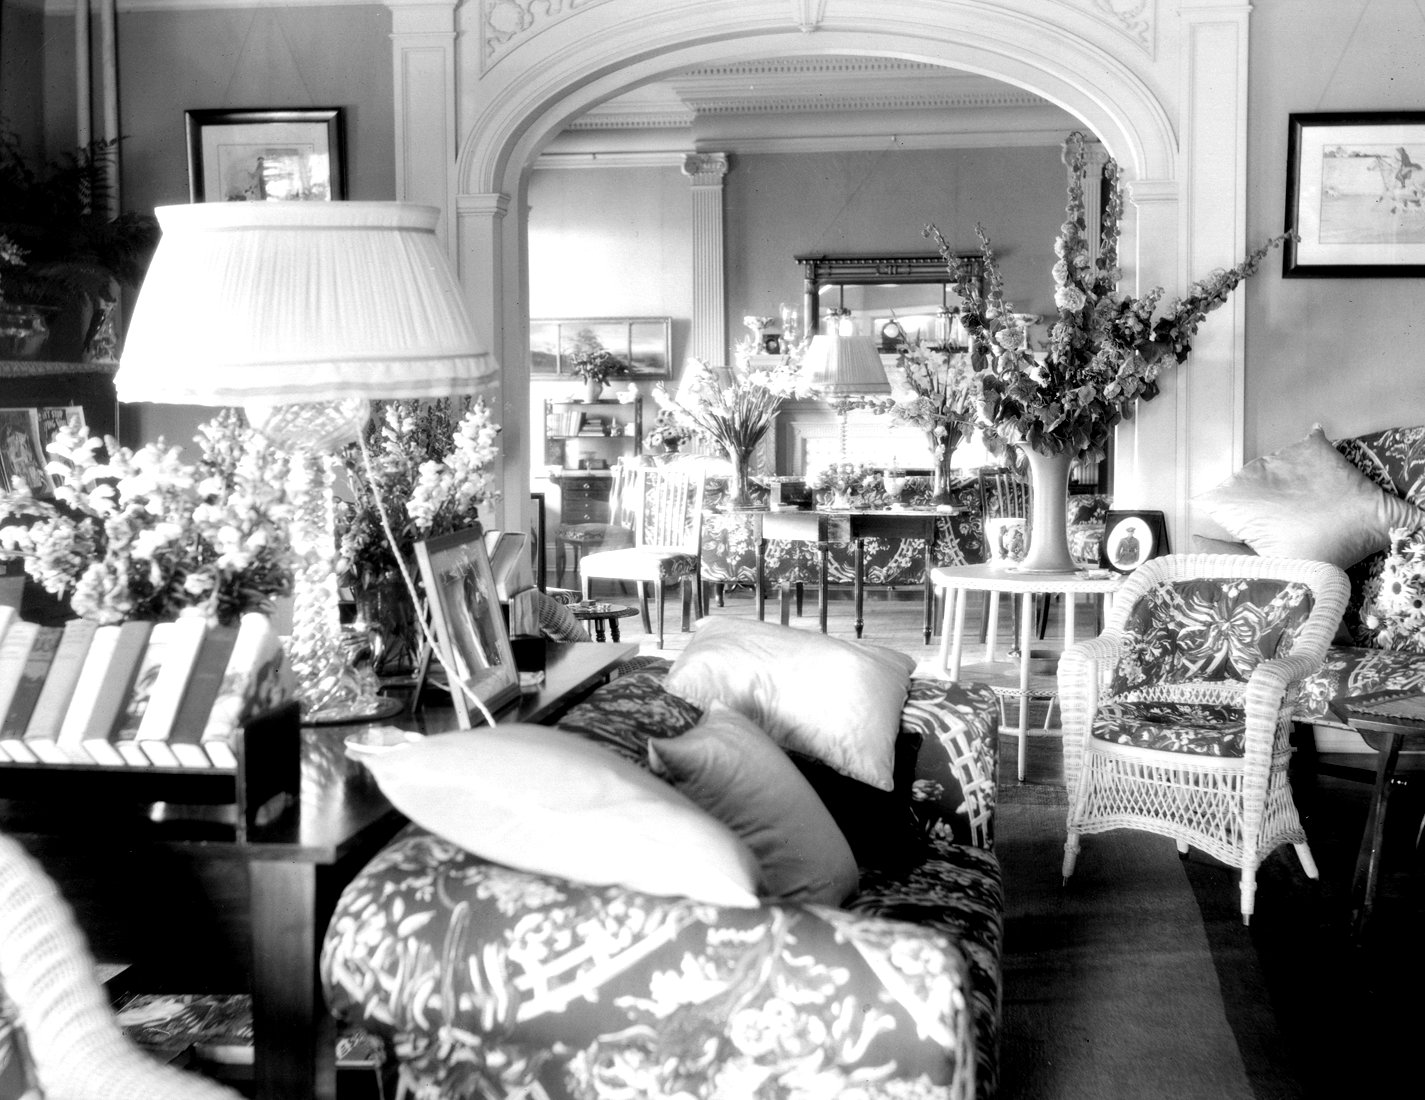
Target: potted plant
column 63, row 258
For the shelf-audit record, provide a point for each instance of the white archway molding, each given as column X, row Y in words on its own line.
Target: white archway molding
column 1070, row 52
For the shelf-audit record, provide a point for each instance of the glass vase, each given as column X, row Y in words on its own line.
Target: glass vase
column 739, row 485
column 942, row 460
column 385, row 612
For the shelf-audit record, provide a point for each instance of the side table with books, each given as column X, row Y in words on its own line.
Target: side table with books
column 1388, row 721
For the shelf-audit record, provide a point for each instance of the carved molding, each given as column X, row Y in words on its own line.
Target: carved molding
column 705, row 168
column 1136, row 20
column 504, row 22
column 808, row 14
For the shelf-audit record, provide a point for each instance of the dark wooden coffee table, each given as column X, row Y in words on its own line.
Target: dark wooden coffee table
column 1388, row 734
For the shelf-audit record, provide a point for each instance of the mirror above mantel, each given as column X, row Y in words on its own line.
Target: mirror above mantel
column 876, row 289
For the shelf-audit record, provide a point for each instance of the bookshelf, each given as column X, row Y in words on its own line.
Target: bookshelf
column 592, row 435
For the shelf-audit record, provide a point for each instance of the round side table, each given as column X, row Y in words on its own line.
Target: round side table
column 601, row 613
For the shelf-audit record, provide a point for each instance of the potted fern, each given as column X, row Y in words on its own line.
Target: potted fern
column 63, row 258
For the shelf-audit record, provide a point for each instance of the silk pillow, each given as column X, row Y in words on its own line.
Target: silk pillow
column 540, row 800
column 1307, row 500
column 736, row 772
column 837, row 701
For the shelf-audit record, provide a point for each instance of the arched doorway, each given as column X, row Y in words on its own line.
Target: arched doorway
column 1178, row 166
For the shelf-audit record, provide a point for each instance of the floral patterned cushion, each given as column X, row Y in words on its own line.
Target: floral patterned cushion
column 574, row 991
column 1208, row 629
column 1197, row 728
column 1355, row 670
column 626, row 713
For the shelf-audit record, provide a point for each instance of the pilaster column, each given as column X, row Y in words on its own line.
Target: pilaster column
column 423, row 85
column 708, row 340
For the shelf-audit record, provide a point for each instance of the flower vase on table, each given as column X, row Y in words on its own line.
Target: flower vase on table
column 390, row 622
column 593, row 390
column 739, row 486
column 1048, row 522
column 943, row 441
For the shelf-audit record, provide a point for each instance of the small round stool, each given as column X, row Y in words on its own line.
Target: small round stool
column 601, row 613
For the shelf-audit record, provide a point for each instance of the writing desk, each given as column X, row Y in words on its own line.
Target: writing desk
column 826, row 527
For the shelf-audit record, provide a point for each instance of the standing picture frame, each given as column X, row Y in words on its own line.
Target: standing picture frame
column 1131, row 538
column 1355, row 195
column 281, row 155
column 22, row 453
column 471, row 640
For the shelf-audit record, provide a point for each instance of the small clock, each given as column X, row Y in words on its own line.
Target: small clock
column 1131, row 538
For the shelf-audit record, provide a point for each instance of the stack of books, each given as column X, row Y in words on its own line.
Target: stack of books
column 135, row 694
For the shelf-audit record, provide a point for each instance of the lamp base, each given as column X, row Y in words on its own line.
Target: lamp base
column 374, row 710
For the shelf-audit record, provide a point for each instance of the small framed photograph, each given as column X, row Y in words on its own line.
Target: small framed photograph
column 266, row 156
column 1356, row 194
column 1131, row 538
column 22, row 453
column 471, row 640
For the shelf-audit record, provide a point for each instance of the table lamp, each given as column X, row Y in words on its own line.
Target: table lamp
column 302, row 313
column 842, row 368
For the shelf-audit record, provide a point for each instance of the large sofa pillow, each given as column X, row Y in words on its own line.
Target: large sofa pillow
column 837, row 701
column 541, row 800
column 737, row 773
column 1307, row 501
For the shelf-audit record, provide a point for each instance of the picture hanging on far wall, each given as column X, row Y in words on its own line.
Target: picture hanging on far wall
column 1356, row 194
column 266, row 155
column 640, row 346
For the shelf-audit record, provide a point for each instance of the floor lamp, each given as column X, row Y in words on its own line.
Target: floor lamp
column 302, row 313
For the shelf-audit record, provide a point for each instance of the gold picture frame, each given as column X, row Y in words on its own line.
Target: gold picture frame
column 471, row 640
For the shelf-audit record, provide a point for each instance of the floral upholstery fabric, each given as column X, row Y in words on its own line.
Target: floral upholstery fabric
column 18, row 1080
column 730, row 551
column 490, row 982
column 1208, row 630
column 1395, row 460
column 1200, row 728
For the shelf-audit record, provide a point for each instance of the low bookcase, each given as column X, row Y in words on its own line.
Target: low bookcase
column 267, row 777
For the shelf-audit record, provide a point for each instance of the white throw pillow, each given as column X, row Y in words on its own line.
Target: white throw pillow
column 733, row 770
column 837, row 701
column 541, row 800
column 1306, row 500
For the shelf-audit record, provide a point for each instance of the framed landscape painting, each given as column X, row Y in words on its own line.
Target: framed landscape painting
column 640, row 346
column 266, row 156
column 1356, row 194
column 470, row 635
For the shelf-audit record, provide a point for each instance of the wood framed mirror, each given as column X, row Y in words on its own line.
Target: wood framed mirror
column 878, row 289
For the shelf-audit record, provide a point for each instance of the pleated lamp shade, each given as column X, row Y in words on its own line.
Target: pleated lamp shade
column 293, row 302
column 844, row 365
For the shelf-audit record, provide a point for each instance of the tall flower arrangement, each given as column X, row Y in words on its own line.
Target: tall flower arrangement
column 1394, row 609
column 144, row 534
column 1105, row 350
column 733, row 406
column 431, row 464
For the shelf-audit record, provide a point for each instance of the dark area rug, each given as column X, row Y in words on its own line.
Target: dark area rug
column 1111, row 987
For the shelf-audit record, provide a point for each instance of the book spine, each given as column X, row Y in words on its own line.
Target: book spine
column 86, row 693
column 172, row 681
column 137, row 705
column 255, row 640
column 32, row 682
column 42, row 734
column 113, row 694
column 15, row 649
column 191, row 718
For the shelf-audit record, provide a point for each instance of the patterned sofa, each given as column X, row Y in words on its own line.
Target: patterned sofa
column 489, row 982
column 1395, row 460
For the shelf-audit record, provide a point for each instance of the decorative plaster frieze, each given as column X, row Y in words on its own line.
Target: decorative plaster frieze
column 504, row 22
column 1136, row 20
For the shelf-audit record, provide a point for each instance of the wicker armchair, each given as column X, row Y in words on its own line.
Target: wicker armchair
column 1177, row 717
column 58, row 1038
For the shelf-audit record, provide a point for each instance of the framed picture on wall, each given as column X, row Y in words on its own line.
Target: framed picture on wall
column 642, row 346
column 470, row 635
column 266, row 155
column 1356, row 194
